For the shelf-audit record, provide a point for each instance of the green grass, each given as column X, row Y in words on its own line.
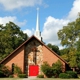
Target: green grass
column 56, row 79
column 10, row 79
column 35, row 79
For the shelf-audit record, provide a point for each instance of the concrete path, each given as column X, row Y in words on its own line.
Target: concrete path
column 30, row 78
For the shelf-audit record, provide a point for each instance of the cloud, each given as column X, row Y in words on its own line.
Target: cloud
column 50, row 29
column 29, row 32
column 4, row 20
column 73, row 14
column 52, row 25
column 15, row 4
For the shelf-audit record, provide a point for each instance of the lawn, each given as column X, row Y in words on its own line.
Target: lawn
column 11, row 79
column 56, row 79
column 35, row 79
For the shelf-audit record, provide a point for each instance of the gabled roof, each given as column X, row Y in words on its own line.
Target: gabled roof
column 27, row 42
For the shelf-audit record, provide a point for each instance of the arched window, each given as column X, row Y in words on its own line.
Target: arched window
column 13, row 68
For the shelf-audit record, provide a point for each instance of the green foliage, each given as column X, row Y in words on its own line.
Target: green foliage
column 54, row 48
column 10, row 38
column 53, row 77
column 1, row 74
column 47, row 70
column 78, row 58
column 70, row 34
column 11, row 76
column 5, row 70
column 64, row 75
column 72, row 74
column 40, row 76
column 73, row 62
column 70, row 38
column 68, row 74
column 65, row 57
column 74, row 58
column 22, row 75
column 64, row 51
column 57, row 68
column 17, row 70
column 78, row 45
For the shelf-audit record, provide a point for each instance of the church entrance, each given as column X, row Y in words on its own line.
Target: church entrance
column 33, row 70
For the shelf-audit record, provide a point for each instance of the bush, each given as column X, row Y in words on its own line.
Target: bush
column 22, row 75
column 47, row 70
column 40, row 76
column 68, row 74
column 53, row 77
column 11, row 76
column 1, row 74
column 17, row 70
column 64, row 75
column 57, row 67
column 5, row 70
column 72, row 74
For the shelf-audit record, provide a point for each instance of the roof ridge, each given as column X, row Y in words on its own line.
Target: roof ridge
column 26, row 42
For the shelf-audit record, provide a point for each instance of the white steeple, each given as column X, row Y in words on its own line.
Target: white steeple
column 37, row 32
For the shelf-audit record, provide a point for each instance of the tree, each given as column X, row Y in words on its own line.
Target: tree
column 70, row 36
column 54, row 48
column 10, row 38
column 64, row 51
column 65, row 54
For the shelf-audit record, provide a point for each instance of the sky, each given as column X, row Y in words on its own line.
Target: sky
column 54, row 14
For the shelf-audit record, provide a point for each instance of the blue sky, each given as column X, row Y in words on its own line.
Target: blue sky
column 54, row 14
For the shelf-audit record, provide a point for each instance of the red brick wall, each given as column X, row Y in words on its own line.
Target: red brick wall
column 17, row 58
column 50, row 57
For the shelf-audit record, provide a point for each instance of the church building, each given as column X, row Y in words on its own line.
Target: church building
column 31, row 54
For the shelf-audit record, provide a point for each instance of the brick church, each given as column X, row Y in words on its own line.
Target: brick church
column 31, row 54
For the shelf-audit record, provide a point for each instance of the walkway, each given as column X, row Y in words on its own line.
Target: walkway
column 30, row 78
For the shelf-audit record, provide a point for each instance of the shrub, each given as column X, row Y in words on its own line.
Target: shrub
column 57, row 67
column 22, row 75
column 40, row 76
column 68, row 74
column 17, row 70
column 64, row 75
column 1, row 74
column 53, row 77
column 47, row 70
column 72, row 74
column 11, row 76
column 5, row 70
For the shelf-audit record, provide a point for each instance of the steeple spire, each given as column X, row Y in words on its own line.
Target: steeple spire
column 37, row 22
column 37, row 32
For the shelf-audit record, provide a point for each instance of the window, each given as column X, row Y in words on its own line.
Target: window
column 13, row 68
